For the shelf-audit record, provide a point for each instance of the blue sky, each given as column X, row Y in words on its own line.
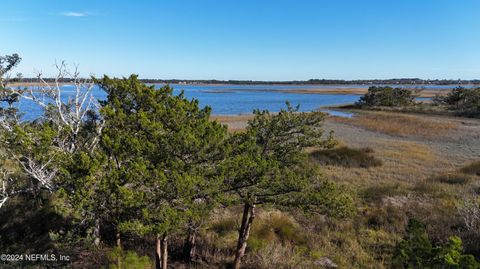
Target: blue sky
column 247, row 39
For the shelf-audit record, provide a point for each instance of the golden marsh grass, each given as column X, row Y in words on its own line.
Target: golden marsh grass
column 398, row 124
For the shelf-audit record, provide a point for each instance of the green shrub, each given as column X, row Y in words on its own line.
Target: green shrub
column 347, row 157
column 462, row 100
column 473, row 169
column 417, row 251
column 129, row 260
column 387, row 96
column 379, row 242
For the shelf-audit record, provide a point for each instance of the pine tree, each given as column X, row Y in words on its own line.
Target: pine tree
column 268, row 165
column 165, row 151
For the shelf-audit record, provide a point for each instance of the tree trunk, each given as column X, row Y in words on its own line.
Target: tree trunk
column 118, row 242
column 244, row 233
column 190, row 245
column 96, row 233
column 158, row 253
column 164, row 251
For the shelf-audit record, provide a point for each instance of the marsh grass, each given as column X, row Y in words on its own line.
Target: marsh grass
column 270, row 226
column 417, row 178
column 235, row 123
column 275, row 255
column 408, row 152
column 398, row 124
column 404, row 163
column 224, row 226
column 346, row 157
column 378, row 192
column 472, row 169
column 231, row 118
column 428, row 188
column 452, row 178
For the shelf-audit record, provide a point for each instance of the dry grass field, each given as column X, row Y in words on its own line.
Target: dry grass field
column 398, row 124
column 421, row 175
column 234, row 123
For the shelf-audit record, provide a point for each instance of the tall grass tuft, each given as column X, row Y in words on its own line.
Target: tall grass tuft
column 452, row 178
column 472, row 169
column 376, row 193
column 347, row 157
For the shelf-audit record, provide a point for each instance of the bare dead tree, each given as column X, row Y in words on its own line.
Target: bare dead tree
column 67, row 112
column 8, row 118
column 4, row 194
column 470, row 212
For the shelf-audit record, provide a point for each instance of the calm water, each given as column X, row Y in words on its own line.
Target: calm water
column 227, row 99
column 234, row 99
column 238, row 99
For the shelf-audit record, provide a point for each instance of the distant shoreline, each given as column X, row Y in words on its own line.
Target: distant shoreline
column 334, row 89
column 426, row 93
column 414, row 83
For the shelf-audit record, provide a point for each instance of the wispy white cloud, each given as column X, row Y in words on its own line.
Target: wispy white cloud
column 75, row 14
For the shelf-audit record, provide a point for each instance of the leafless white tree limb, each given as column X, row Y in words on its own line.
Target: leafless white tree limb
column 3, row 191
column 68, row 112
column 470, row 212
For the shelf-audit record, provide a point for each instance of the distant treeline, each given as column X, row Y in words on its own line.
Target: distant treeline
column 400, row 81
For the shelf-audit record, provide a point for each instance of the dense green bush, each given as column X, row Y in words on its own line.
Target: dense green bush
column 347, row 157
column 387, row 96
column 129, row 260
column 462, row 100
column 417, row 251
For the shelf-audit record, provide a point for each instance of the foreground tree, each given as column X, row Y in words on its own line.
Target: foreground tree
column 8, row 119
column 268, row 166
column 62, row 126
column 164, row 158
column 7, row 63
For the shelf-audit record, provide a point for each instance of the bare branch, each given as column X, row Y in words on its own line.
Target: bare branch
column 470, row 212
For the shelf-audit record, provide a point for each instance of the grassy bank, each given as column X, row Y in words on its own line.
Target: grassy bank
column 422, row 168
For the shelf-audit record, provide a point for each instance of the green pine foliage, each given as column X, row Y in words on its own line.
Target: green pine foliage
column 417, row 251
column 267, row 164
column 130, row 260
column 164, row 158
column 464, row 101
column 387, row 97
column 158, row 171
